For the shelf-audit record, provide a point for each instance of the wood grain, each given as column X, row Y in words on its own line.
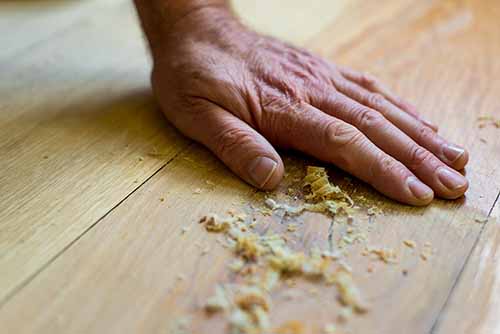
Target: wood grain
column 473, row 306
column 295, row 22
column 76, row 126
column 120, row 275
column 25, row 23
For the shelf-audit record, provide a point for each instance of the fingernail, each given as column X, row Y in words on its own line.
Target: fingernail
column 418, row 189
column 451, row 179
column 261, row 170
column 452, row 152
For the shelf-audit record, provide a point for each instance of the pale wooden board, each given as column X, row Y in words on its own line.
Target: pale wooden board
column 122, row 275
column 474, row 305
column 295, row 22
column 76, row 116
column 25, row 23
column 119, row 276
column 79, row 95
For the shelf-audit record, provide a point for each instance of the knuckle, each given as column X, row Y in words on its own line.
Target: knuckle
column 279, row 99
column 418, row 156
column 227, row 141
column 369, row 118
column 425, row 134
column 340, row 136
column 384, row 166
column 376, row 100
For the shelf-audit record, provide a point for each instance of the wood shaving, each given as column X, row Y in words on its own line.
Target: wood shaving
column 197, row 191
column 218, row 302
column 249, row 298
column 387, row 255
column 321, row 188
column 349, row 294
column 214, row 224
column 410, row 243
column 488, row 121
column 265, row 262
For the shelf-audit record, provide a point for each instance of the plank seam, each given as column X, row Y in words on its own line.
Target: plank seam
column 459, row 276
column 30, row 278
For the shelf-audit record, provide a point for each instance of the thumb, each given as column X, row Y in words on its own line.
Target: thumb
column 246, row 152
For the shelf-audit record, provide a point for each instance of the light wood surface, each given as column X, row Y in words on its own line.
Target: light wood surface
column 86, row 244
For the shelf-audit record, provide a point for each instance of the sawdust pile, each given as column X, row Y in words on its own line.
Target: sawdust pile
column 266, row 261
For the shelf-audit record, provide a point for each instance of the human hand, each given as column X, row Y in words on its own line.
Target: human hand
column 242, row 94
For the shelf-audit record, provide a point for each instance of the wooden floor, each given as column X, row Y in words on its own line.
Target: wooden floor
column 88, row 246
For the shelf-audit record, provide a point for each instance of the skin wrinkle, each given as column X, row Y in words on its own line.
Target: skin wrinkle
column 238, row 92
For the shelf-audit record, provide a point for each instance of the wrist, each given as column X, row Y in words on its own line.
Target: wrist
column 161, row 18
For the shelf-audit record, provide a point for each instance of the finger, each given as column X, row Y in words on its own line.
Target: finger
column 371, row 84
column 445, row 181
column 239, row 146
column 453, row 155
column 329, row 139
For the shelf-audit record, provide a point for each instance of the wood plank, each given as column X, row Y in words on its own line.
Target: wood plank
column 473, row 306
column 121, row 275
column 295, row 22
column 73, row 116
column 76, row 127
column 24, row 23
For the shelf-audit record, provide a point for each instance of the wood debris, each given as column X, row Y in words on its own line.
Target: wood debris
column 349, row 294
column 218, row 302
column 481, row 221
column 485, row 121
column 250, row 304
column 317, row 180
column 426, row 251
column 410, row 243
column 387, row 255
column 264, row 262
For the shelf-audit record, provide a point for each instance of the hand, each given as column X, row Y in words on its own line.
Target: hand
column 242, row 94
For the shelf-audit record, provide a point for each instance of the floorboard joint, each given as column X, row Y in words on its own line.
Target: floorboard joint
column 24, row 283
column 457, row 280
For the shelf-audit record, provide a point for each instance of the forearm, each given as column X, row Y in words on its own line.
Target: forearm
column 159, row 16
